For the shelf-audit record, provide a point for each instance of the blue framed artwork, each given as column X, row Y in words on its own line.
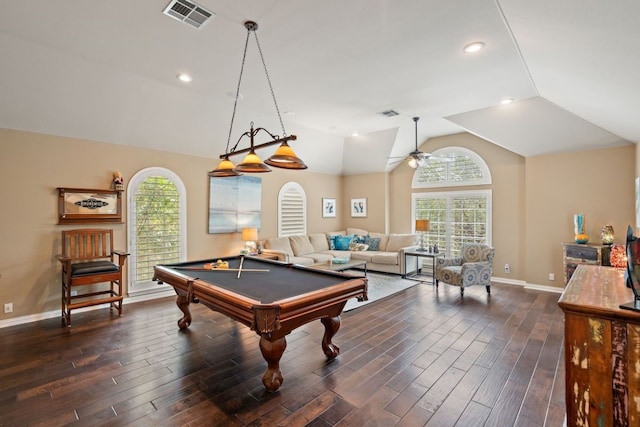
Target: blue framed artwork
column 234, row 203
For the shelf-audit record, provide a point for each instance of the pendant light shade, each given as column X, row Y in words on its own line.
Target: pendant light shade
column 252, row 164
column 285, row 158
column 224, row 168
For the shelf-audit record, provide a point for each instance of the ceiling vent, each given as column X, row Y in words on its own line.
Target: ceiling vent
column 188, row 12
column 388, row 113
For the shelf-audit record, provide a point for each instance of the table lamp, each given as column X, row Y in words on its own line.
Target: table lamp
column 422, row 226
column 249, row 236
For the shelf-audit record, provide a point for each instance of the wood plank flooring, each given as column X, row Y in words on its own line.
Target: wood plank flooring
column 420, row 357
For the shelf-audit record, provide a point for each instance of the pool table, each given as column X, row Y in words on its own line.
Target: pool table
column 270, row 297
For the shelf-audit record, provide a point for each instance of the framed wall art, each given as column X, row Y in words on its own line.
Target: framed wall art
column 234, row 203
column 328, row 208
column 81, row 205
column 358, row 207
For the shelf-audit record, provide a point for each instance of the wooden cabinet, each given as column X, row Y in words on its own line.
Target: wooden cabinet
column 574, row 254
column 602, row 349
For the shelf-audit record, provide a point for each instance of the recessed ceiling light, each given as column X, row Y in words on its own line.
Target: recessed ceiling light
column 184, row 77
column 473, row 47
column 505, row 101
column 232, row 95
column 289, row 113
column 355, row 134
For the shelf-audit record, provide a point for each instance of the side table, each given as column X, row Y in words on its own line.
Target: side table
column 417, row 255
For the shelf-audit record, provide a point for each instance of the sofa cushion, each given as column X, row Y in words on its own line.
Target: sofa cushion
column 319, row 242
column 279, row 244
column 338, row 254
column 372, row 242
column 301, row 260
column 383, row 240
column 363, row 256
column 301, row 245
column 389, row 258
column 399, row 241
column 357, row 231
column 320, row 257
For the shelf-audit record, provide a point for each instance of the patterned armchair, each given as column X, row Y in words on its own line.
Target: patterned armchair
column 472, row 267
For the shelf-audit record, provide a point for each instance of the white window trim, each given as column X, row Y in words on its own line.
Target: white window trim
column 135, row 181
column 444, row 152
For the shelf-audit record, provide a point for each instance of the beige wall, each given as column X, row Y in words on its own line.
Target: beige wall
column 533, row 204
column 597, row 183
column 32, row 166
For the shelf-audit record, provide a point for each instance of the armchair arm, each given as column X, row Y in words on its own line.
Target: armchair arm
column 122, row 256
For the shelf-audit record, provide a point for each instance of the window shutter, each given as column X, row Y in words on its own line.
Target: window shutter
column 291, row 210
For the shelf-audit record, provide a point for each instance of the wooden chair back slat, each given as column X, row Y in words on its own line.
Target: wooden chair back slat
column 87, row 244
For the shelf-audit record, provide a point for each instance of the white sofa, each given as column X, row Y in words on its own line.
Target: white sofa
column 315, row 248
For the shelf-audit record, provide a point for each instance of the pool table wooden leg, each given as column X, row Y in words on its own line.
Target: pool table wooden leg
column 272, row 352
column 183, row 305
column 331, row 326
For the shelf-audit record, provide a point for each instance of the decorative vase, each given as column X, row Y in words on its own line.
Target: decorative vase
column 618, row 256
column 607, row 235
column 579, row 229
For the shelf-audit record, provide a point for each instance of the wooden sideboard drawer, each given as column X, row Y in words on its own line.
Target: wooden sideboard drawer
column 581, row 252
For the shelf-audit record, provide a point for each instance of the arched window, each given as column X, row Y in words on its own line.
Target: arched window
column 157, row 214
column 457, row 166
column 455, row 217
column 292, row 210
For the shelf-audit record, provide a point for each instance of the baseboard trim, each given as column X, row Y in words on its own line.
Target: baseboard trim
column 524, row 284
column 56, row 313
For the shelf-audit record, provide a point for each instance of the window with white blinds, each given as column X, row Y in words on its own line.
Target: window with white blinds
column 157, row 216
column 292, row 210
column 455, row 217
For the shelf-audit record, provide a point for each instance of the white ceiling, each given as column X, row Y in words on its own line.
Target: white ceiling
column 105, row 70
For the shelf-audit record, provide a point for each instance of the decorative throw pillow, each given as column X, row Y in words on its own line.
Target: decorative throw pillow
column 342, row 243
column 332, row 242
column 373, row 242
column 356, row 247
column 358, row 239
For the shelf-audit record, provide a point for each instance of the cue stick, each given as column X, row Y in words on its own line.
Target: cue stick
column 221, row 269
column 240, row 269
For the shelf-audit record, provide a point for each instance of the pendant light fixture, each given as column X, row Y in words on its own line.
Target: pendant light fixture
column 284, row 157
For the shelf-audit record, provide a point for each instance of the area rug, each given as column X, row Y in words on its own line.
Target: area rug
column 381, row 286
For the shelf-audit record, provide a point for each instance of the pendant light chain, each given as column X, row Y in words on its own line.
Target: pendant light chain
column 235, row 102
column 273, row 95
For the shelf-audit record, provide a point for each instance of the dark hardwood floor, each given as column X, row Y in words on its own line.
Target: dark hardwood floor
column 417, row 358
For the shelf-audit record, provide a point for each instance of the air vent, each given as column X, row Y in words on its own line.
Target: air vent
column 388, row 113
column 188, row 12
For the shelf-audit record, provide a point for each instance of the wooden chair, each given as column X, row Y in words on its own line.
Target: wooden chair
column 88, row 259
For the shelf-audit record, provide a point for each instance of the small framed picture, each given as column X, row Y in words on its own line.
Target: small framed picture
column 328, row 208
column 358, row 207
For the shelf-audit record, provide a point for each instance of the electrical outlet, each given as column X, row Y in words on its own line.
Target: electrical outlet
column 552, row 276
column 8, row 307
column 507, row 268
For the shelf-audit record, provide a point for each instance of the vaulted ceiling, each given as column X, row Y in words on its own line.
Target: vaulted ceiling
column 105, row 70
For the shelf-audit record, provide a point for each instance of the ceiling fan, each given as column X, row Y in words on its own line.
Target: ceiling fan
column 418, row 158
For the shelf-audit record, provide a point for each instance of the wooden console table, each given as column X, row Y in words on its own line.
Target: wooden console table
column 602, row 349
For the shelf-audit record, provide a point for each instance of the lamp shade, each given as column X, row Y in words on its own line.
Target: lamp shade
column 285, row 158
column 224, row 168
column 422, row 225
column 249, row 234
column 252, row 164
